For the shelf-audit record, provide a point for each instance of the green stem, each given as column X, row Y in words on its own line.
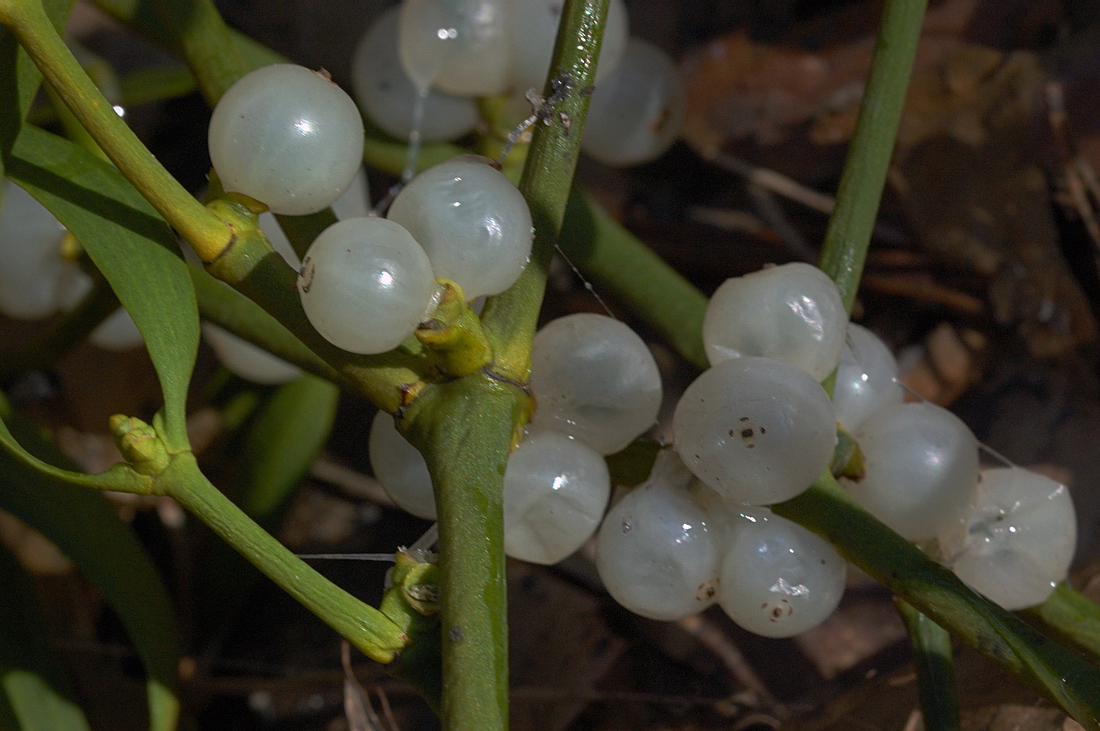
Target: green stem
column 861, row 184
column 605, row 251
column 932, row 589
column 361, row 624
column 206, row 43
column 931, row 646
column 511, row 317
column 32, row 28
column 1072, row 615
column 464, row 430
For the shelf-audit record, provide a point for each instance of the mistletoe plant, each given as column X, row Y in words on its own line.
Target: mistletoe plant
column 457, row 388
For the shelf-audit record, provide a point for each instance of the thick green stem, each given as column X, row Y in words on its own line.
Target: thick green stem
column 361, row 624
column 34, row 31
column 861, row 184
column 206, row 43
column 511, row 317
column 464, row 429
column 932, row 656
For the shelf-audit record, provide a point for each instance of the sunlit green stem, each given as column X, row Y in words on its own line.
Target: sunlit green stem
column 32, row 28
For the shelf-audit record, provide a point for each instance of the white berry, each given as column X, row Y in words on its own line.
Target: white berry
column 921, row 466
column 755, row 430
column 472, row 222
column 594, row 378
column 288, row 137
column 388, row 95
column 778, row 579
column 555, row 493
column 792, row 313
column 400, row 468
column 636, row 113
column 866, row 379
column 366, row 284
column 247, row 360
column 1019, row 538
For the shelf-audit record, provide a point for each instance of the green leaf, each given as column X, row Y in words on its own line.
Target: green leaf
column 36, row 689
column 133, row 247
column 88, row 530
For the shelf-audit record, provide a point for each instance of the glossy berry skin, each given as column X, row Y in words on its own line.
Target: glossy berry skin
column 791, row 312
column 593, row 378
column 658, row 550
column 755, row 430
column 366, row 284
column 472, row 222
column 778, row 579
column 1019, row 538
column 461, row 47
column 921, row 469
column 288, row 137
column 555, row 493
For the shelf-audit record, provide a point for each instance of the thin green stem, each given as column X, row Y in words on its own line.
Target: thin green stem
column 34, row 31
column 511, row 317
column 361, row 624
column 932, row 656
column 861, row 184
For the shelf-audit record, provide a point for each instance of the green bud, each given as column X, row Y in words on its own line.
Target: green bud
column 139, row 444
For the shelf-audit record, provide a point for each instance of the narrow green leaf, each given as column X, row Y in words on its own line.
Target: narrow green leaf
column 88, row 530
column 130, row 244
column 38, row 693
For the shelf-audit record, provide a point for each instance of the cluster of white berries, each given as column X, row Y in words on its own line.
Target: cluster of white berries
column 443, row 54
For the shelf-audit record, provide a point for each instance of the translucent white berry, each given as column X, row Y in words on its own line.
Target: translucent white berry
column 1019, row 538
column 461, row 47
column 594, row 378
column 755, row 430
column 555, row 493
column 400, row 468
column 35, row 281
column 657, row 550
column 366, row 284
column 388, row 95
column 637, row 112
column 792, row 313
column 921, row 466
column 288, row 137
column 866, row 379
column 247, row 360
column 117, row 332
column 534, row 29
column 778, row 579
column 472, row 222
